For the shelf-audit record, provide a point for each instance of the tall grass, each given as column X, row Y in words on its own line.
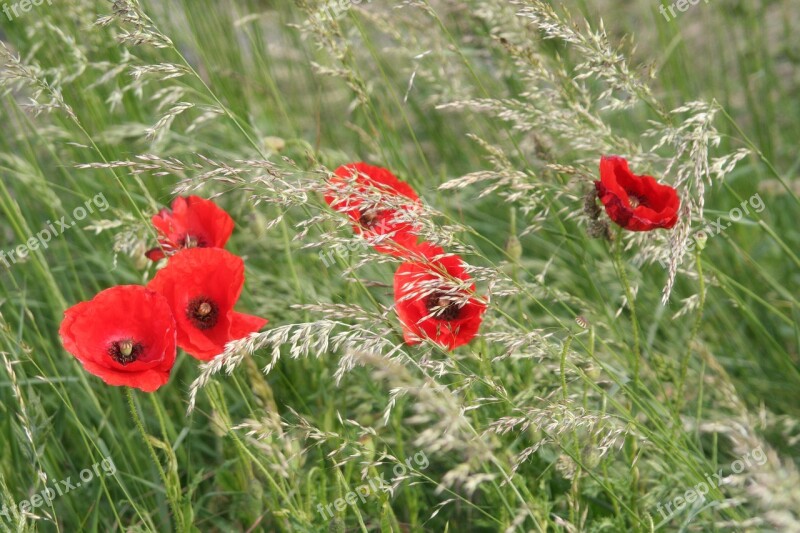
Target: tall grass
column 602, row 385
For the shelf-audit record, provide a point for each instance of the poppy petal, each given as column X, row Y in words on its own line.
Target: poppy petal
column 201, row 286
column 126, row 335
column 636, row 203
column 423, row 313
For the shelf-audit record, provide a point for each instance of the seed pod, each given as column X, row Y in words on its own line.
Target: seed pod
column 590, row 206
column 514, row 248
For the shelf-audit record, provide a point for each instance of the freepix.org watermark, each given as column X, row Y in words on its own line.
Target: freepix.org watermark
column 715, row 227
column 373, row 485
column 680, row 5
column 45, row 497
column 342, row 251
column 23, row 6
column 53, row 229
column 699, row 491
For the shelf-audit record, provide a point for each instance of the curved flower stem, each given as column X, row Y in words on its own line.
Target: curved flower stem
column 637, row 354
column 629, row 298
column 176, row 510
column 564, row 352
column 218, row 403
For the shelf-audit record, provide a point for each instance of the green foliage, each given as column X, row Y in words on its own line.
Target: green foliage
column 572, row 412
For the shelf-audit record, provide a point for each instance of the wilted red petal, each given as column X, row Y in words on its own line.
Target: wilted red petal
column 155, row 254
column 637, row 203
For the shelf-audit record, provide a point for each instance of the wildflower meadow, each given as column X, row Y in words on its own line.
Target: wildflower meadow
column 399, row 266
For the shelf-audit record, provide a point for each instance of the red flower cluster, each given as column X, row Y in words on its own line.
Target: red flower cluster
column 637, row 203
column 433, row 294
column 127, row 335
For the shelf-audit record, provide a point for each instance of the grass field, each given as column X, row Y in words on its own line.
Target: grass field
column 639, row 381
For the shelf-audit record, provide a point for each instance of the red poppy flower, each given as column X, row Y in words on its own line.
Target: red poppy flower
column 201, row 286
column 637, row 203
column 125, row 335
column 431, row 300
column 192, row 222
column 374, row 199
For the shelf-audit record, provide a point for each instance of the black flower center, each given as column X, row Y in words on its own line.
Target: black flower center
column 369, row 218
column 202, row 312
column 442, row 306
column 125, row 351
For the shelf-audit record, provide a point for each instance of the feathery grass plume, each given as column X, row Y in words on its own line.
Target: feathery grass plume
column 18, row 520
column 27, row 429
column 143, row 32
column 601, row 432
column 328, row 34
column 560, row 106
column 771, row 485
column 131, row 236
column 16, row 75
column 303, row 340
column 514, row 186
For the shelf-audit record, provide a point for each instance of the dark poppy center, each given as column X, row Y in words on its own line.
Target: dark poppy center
column 636, row 201
column 443, row 307
column 192, row 241
column 202, row 312
column 369, row 218
column 125, row 351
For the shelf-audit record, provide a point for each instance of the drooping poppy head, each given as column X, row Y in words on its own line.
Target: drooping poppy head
column 201, row 286
column 376, row 201
column 637, row 203
column 193, row 222
column 434, row 298
column 125, row 335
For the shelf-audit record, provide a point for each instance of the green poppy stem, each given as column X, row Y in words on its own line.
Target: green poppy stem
column 630, row 302
column 174, row 506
